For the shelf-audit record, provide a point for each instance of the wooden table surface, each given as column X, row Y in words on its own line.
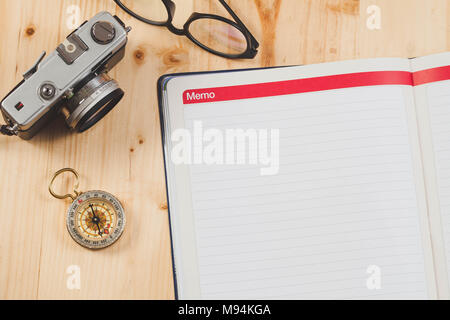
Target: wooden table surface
column 122, row 154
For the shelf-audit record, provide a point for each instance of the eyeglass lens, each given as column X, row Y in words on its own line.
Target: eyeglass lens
column 218, row 36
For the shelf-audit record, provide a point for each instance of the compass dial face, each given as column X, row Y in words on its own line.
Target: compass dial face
column 96, row 219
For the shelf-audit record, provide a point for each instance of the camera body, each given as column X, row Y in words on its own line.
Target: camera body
column 71, row 81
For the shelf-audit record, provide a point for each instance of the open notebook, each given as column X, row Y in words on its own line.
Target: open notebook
column 353, row 201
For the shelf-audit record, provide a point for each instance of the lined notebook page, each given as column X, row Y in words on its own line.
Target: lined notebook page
column 439, row 107
column 342, row 207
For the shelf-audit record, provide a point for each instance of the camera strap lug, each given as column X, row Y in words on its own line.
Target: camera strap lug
column 8, row 130
column 35, row 66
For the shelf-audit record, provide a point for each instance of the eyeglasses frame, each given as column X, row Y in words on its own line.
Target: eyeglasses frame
column 252, row 43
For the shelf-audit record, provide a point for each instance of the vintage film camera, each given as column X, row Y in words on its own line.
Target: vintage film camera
column 72, row 81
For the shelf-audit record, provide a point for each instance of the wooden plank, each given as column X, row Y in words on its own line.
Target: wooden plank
column 123, row 155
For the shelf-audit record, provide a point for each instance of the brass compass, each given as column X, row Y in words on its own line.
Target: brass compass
column 95, row 219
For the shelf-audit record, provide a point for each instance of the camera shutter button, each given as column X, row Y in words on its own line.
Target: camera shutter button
column 103, row 32
column 47, row 91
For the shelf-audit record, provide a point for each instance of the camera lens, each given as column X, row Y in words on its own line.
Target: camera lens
column 92, row 102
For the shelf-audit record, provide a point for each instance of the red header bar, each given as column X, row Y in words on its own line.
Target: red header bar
column 342, row 81
column 431, row 75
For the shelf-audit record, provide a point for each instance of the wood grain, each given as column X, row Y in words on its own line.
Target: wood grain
column 122, row 154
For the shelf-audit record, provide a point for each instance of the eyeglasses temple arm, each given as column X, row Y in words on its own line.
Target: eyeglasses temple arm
column 236, row 18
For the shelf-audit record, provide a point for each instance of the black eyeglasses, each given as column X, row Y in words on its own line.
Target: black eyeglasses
column 215, row 34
